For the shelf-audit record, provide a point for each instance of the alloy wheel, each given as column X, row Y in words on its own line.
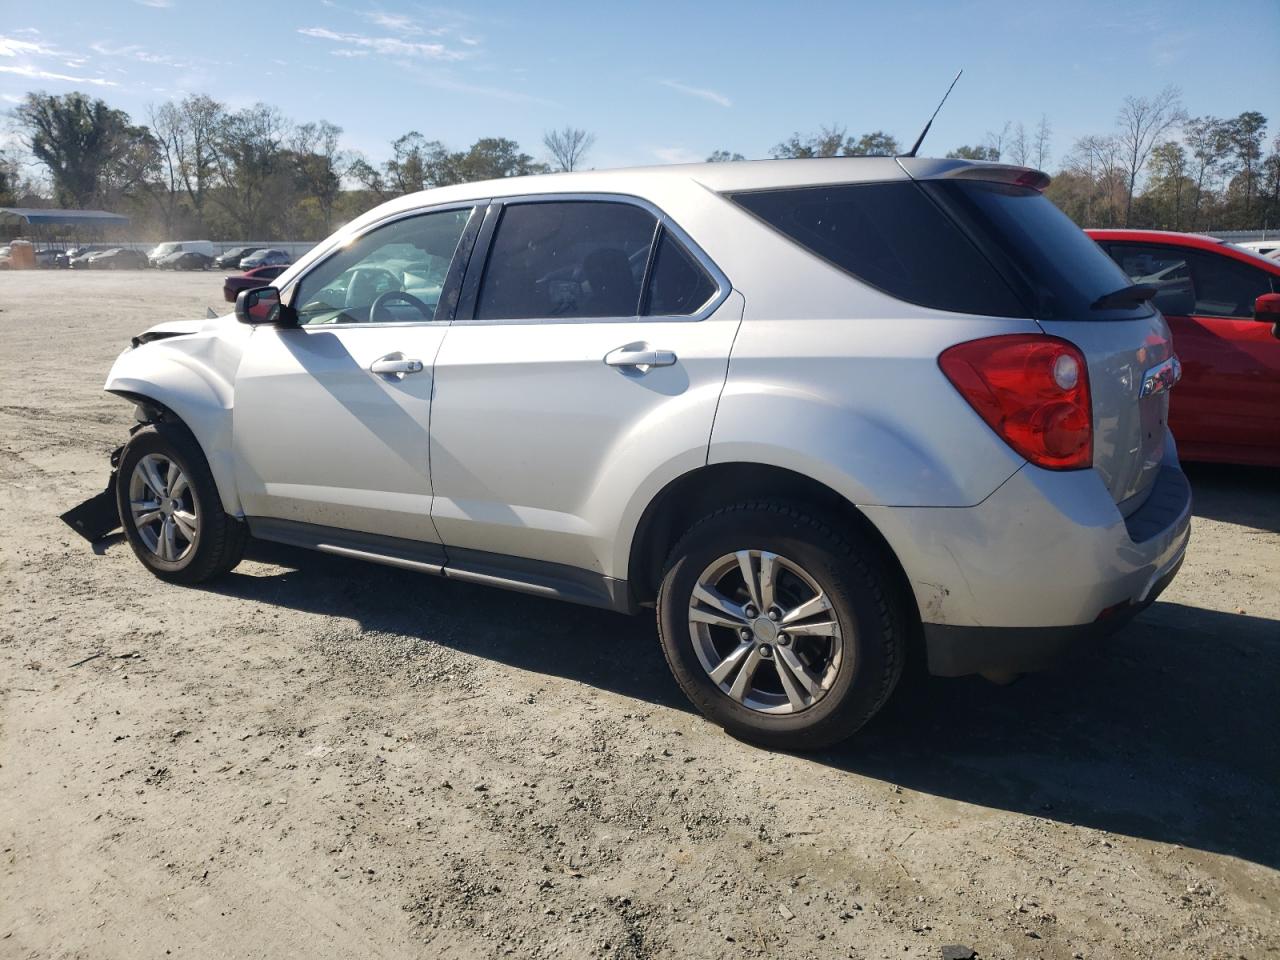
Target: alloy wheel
column 163, row 507
column 765, row 632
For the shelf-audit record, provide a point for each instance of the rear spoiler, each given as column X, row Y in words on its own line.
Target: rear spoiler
column 918, row 168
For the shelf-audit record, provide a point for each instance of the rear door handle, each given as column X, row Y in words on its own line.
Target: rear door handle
column 396, row 366
column 623, row 357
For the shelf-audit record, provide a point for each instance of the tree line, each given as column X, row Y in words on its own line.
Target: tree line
column 197, row 168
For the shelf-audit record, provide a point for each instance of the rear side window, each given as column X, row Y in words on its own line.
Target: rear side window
column 567, row 259
column 678, row 284
column 893, row 237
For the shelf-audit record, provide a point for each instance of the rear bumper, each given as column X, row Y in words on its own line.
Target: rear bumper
column 958, row 651
column 1043, row 565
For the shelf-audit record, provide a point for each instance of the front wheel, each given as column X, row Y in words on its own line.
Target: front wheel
column 778, row 628
column 170, row 509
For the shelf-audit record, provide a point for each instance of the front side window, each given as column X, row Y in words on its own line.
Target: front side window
column 392, row 274
column 1164, row 268
column 1193, row 282
column 566, row 259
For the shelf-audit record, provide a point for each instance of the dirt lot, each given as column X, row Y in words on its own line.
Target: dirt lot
column 319, row 758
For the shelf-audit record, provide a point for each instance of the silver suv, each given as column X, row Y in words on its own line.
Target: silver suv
column 808, row 410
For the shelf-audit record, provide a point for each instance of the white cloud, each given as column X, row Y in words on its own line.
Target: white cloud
column 13, row 47
column 677, row 155
column 701, row 92
column 157, row 4
column 34, row 73
column 387, row 46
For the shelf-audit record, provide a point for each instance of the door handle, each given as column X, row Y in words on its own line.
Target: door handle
column 395, row 366
column 624, row 357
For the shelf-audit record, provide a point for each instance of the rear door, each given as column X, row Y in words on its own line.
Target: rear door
column 586, row 359
column 1228, row 404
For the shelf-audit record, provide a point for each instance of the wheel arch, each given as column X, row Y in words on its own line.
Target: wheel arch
column 171, row 388
column 693, row 495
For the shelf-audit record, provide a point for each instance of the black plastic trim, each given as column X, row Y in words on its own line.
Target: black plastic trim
column 1169, row 499
column 556, row 580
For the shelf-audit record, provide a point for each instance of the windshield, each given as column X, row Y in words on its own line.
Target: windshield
column 164, row 249
column 1055, row 267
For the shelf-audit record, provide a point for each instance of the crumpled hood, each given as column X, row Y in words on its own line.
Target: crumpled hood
column 180, row 328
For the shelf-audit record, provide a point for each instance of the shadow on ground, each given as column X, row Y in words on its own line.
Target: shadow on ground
column 1170, row 733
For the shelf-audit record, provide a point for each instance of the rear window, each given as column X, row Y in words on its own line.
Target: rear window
column 893, row 237
column 1052, row 264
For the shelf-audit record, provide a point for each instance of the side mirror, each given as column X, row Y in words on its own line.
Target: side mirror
column 262, row 305
column 1267, row 308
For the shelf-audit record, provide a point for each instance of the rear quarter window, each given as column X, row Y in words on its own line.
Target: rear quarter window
column 893, row 237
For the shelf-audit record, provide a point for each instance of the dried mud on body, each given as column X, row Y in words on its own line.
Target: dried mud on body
column 321, row 758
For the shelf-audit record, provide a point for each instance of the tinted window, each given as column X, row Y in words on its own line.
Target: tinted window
column 566, row 259
column 400, row 267
column 1052, row 264
column 678, row 285
column 1164, row 268
column 1193, row 282
column 892, row 236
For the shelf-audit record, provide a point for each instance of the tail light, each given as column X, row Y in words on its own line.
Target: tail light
column 1032, row 390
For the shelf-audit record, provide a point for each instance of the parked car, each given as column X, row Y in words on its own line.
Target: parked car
column 166, row 250
column 1222, row 303
column 64, row 257
column 266, row 258
column 82, row 256
column 6, row 260
column 792, row 405
column 231, row 258
column 119, row 258
column 46, row 257
column 186, row 260
column 258, row 277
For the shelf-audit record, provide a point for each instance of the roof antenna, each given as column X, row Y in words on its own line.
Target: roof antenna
column 925, row 132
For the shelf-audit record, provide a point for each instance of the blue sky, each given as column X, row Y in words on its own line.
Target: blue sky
column 656, row 82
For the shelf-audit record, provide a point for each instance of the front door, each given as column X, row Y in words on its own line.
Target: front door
column 332, row 417
column 1227, row 406
column 589, row 361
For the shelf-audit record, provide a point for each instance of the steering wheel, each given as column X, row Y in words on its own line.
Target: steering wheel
column 409, row 298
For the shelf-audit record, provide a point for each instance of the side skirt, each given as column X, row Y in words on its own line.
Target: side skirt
column 543, row 579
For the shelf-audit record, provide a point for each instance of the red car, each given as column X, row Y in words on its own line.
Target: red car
column 1223, row 307
column 257, row 277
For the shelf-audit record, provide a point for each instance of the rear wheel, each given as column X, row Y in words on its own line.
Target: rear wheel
column 778, row 628
column 170, row 509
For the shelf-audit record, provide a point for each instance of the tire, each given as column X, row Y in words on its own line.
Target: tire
column 811, row 564
column 218, row 541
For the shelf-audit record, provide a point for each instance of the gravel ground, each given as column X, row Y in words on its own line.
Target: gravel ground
column 319, row 758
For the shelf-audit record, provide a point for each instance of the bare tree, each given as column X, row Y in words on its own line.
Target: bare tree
column 1143, row 123
column 168, row 128
column 724, row 156
column 567, row 147
column 203, row 118
column 1019, row 151
column 1209, row 141
column 1044, row 132
column 996, row 141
